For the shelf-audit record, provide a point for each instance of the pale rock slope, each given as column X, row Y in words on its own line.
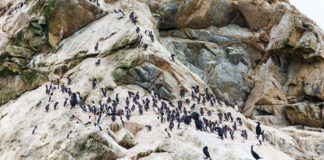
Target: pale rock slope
column 262, row 55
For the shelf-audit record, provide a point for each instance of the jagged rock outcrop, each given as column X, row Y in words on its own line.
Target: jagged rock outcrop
column 262, row 55
column 307, row 114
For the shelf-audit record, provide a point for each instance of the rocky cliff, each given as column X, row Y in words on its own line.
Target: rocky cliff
column 263, row 56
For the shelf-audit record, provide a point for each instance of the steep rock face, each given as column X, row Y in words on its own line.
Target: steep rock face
column 192, row 14
column 218, row 57
column 269, row 66
column 66, row 17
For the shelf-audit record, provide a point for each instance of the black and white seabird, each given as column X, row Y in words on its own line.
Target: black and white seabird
column 68, row 136
column 55, row 105
column 103, row 92
column 94, row 83
column 34, row 130
column 167, row 133
column 65, row 102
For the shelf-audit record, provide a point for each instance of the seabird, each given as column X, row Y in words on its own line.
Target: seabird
column 55, row 105
column 145, row 46
column 88, row 123
column 167, row 133
column 34, row 130
column 236, row 108
column 103, row 92
column 69, row 80
column 133, row 18
column 149, row 127
column 205, row 150
column 209, row 113
column 96, row 47
column 172, row 57
column 258, row 130
column 65, row 102
column 38, row 104
column 138, row 30
column 254, row 154
column 47, row 107
column 73, row 100
column 182, row 93
column 68, row 136
column 97, row 63
column 94, row 83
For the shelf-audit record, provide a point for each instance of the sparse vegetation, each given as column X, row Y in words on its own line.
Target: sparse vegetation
column 109, row 87
column 118, row 74
column 48, row 13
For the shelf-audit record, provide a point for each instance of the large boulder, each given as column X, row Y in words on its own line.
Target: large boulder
column 125, row 138
column 305, row 114
column 294, row 36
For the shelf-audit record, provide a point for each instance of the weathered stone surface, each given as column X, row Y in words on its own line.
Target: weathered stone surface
column 305, row 114
column 94, row 145
column 292, row 36
column 320, row 150
column 221, row 45
column 192, row 14
column 267, row 90
column 67, row 16
column 125, row 138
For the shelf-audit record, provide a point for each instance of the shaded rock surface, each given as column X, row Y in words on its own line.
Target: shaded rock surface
column 308, row 114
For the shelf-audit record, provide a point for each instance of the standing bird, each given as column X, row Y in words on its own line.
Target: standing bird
column 258, row 130
column 73, row 100
column 68, row 136
column 94, row 83
column 47, row 107
column 96, row 47
column 138, row 30
column 205, row 150
column 133, row 18
column 55, row 105
column 97, row 63
column 254, row 154
column 167, row 133
column 172, row 57
column 103, row 92
column 145, row 47
column 182, row 93
column 69, row 80
column 65, row 102
column 34, row 130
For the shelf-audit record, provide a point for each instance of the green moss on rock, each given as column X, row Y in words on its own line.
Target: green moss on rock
column 119, row 74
